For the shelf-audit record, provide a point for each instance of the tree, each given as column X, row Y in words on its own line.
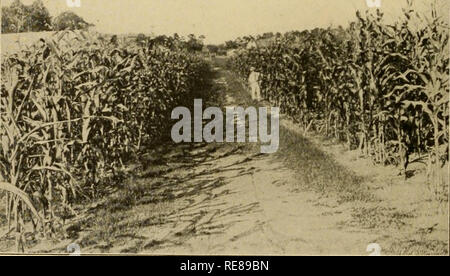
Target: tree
column 19, row 18
column 194, row 44
column 141, row 39
column 6, row 21
column 213, row 48
column 231, row 45
column 13, row 18
column 39, row 17
column 267, row 35
column 69, row 21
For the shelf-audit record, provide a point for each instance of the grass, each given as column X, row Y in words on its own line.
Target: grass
column 119, row 226
column 319, row 172
column 379, row 217
column 414, row 247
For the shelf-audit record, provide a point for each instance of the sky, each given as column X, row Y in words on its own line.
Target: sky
column 221, row 20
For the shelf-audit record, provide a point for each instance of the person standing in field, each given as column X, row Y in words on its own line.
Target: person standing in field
column 253, row 81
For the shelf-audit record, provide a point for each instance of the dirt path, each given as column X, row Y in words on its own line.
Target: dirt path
column 257, row 208
column 258, row 211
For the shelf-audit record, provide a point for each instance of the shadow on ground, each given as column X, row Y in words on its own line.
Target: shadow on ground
column 163, row 203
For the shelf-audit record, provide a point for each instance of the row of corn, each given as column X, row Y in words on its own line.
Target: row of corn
column 73, row 112
column 381, row 88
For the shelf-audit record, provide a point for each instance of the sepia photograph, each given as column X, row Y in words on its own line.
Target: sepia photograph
column 239, row 128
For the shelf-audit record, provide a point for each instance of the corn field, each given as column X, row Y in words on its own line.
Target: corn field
column 73, row 112
column 383, row 89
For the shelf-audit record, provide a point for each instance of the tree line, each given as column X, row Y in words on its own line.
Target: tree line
column 19, row 18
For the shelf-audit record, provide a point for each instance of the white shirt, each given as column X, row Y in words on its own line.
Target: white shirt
column 254, row 77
